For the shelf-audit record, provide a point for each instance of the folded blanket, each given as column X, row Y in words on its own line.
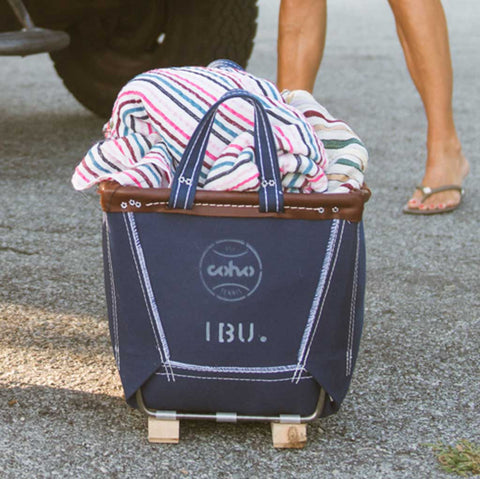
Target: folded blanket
column 347, row 157
column 156, row 113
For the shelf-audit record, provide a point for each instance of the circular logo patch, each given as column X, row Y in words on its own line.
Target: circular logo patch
column 231, row 270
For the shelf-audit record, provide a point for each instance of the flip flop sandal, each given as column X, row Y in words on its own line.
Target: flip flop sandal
column 427, row 192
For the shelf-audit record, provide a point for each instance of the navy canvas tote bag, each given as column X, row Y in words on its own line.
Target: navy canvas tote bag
column 231, row 301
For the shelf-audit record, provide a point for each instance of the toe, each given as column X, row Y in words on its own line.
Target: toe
column 413, row 203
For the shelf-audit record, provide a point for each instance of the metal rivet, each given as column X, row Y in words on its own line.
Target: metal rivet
column 335, row 209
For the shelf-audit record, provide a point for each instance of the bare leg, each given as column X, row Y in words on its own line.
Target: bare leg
column 301, row 40
column 422, row 30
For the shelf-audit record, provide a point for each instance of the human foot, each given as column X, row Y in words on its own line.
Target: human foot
column 427, row 192
column 441, row 186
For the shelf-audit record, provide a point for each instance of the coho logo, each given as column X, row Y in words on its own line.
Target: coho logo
column 231, row 270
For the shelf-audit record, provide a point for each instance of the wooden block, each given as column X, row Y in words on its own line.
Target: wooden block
column 289, row 435
column 163, row 431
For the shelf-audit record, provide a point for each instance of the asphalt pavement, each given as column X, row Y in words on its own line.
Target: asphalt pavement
column 417, row 377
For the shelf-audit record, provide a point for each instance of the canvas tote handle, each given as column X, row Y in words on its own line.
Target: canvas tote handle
column 186, row 175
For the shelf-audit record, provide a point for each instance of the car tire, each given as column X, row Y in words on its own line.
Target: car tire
column 109, row 48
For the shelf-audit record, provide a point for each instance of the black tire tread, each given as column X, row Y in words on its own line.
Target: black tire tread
column 202, row 31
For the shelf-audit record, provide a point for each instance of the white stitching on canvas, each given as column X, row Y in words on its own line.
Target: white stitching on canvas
column 328, row 269
column 216, row 205
column 188, row 376
column 351, row 326
column 234, row 369
column 149, row 290
column 327, row 288
column 163, row 359
column 116, row 339
column 318, row 294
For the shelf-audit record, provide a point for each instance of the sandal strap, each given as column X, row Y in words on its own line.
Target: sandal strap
column 427, row 191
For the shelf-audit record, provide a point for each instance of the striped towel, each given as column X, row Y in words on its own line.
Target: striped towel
column 156, row 113
column 347, row 155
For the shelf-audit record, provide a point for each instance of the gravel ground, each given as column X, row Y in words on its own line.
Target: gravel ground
column 61, row 408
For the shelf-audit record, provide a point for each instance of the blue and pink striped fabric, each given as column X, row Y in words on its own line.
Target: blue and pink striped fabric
column 156, row 113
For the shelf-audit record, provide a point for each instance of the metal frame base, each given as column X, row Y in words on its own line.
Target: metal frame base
column 231, row 417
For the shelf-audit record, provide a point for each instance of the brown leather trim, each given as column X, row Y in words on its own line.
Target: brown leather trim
column 115, row 198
